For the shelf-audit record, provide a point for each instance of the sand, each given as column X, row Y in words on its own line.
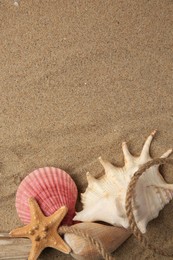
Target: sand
column 77, row 78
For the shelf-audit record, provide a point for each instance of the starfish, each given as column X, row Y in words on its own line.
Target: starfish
column 42, row 230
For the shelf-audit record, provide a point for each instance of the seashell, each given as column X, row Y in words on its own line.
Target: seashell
column 111, row 238
column 52, row 188
column 104, row 198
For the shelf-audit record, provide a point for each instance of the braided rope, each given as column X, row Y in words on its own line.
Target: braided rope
column 129, row 201
column 97, row 244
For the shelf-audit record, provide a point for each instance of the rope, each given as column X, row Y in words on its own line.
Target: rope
column 97, row 244
column 129, row 207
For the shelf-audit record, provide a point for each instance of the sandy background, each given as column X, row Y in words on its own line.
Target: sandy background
column 77, row 78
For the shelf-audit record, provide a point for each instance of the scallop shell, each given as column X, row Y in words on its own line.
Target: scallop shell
column 52, row 188
column 110, row 237
column 104, row 199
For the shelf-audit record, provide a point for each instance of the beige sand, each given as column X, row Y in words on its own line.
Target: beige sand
column 77, row 78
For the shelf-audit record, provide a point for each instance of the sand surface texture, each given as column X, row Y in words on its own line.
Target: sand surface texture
column 77, row 78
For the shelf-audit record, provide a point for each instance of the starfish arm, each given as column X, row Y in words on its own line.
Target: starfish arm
column 35, row 251
column 58, row 243
column 35, row 210
column 57, row 217
column 20, row 232
column 145, row 154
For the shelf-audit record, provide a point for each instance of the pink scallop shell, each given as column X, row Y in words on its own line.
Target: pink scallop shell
column 52, row 188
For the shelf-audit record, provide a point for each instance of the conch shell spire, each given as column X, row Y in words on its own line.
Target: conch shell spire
column 128, row 158
column 90, row 178
column 145, row 153
column 104, row 198
column 108, row 167
column 166, row 154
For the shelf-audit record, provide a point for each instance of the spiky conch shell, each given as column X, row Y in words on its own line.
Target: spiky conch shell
column 104, row 198
column 52, row 188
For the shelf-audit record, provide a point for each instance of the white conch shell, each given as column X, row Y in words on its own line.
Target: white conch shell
column 110, row 237
column 104, row 198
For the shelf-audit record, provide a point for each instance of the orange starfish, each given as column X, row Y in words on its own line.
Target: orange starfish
column 42, row 230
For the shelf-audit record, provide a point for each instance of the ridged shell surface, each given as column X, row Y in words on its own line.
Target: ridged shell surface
column 52, row 188
column 104, row 198
column 109, row 236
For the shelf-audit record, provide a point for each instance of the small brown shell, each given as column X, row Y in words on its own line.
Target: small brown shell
column 111, row 238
